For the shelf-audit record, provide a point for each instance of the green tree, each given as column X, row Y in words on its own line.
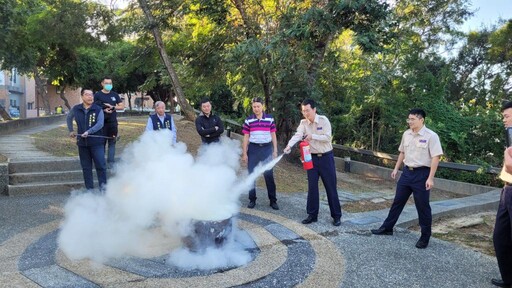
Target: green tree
column 41, row 38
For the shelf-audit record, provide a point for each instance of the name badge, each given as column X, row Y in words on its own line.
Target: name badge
column 423, row 140
column 318, row 128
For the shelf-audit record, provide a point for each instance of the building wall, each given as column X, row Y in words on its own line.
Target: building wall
column 4, row 93
column 72, row 95
column 30, row 97
column 137, row 102
column 12, row 92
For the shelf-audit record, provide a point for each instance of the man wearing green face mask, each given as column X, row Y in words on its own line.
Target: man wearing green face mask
column 110, row 102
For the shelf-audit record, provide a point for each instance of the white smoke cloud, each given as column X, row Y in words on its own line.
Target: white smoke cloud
column 158, row 191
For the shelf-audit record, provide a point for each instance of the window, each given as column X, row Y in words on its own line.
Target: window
column 30, row 105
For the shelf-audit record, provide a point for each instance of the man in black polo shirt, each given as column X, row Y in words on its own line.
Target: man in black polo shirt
column 110, row 102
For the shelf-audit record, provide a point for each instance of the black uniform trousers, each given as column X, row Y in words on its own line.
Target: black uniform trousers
column 88, row 155
column 261, row 153
column 110, row 130
column 323, row 167
column 412, row 182
column 502, row 236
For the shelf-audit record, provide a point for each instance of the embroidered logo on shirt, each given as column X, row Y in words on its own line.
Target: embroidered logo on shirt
column 318, row 128
column 113, row 98
column 423, row 140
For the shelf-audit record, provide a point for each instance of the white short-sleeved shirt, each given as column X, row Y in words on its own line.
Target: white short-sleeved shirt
column 419, row 148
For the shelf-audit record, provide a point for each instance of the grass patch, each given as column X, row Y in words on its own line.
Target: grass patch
column 58, row 143
column 472, row 231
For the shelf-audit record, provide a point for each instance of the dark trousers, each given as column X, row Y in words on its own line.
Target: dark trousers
column 88, row 154
column 212, row 140
column 323, row 167
column 110, row 130
column 502, row 236
column 261, row 154
column 412, row 182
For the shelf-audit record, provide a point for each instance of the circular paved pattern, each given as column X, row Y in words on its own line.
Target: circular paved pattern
column 284, row 254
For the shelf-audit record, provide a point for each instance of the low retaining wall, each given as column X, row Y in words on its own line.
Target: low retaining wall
column 384, row 173
column 20, row 124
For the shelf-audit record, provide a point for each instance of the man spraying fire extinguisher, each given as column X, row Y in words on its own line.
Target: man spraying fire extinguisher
column 315, row 131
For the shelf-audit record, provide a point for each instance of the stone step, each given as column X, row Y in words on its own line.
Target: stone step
column 44, row 188
column 46, row 177
column 64, row 164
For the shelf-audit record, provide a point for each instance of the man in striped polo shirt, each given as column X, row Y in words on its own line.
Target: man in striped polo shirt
column 259, row 145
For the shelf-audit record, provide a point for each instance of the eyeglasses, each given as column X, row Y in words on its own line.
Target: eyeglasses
column 409, row 120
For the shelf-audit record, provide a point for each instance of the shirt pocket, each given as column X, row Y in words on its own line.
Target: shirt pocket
column 319, row 130
column 422, row 145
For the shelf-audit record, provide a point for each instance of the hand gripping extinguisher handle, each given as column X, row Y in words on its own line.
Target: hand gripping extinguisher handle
column 305, row 155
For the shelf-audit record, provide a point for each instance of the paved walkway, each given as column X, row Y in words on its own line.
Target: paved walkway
column 285, row 253
column 19, row 146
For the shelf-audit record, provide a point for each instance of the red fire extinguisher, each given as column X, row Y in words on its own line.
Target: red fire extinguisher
column 305, row 155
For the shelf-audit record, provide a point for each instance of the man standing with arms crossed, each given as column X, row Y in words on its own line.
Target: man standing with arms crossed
column 502, row 236
column 109, row 101
column 316, row 129
column 208, row 125
column 420, row 151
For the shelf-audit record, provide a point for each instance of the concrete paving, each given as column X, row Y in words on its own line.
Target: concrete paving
column 19, row 146
column 290, row 254
column 285, row 253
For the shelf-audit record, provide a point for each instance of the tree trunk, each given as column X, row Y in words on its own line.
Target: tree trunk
column 372, row 134
column 41, row 91
column 130, row 100
column 188, row 111
column 4, row 113
column 252, row 30
column 63, row 97
column 317, row 60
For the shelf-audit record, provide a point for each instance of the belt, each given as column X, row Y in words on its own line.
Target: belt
column 261, row 144
column 416, row 168
column 321, row 154
column 508, row 184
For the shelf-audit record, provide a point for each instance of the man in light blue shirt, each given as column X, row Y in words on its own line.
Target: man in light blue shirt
column 161, row 120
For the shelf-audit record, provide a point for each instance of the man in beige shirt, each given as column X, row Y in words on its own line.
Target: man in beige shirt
column 316, row 129
column 502, row 236
column 420, row 151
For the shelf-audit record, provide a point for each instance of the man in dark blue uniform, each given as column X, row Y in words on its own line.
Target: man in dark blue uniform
column 110, row 102
column 502, row 236
column 91, row 148
column 420, row 150
column 316, row 129
column 208, row 125
column 161, row 120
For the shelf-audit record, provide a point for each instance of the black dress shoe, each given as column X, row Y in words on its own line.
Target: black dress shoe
column 251, row 204
column 422, row 244
column 382, row 231
column 310, row 219
column 500, row 283
column 274, row 205
column 336, row 222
